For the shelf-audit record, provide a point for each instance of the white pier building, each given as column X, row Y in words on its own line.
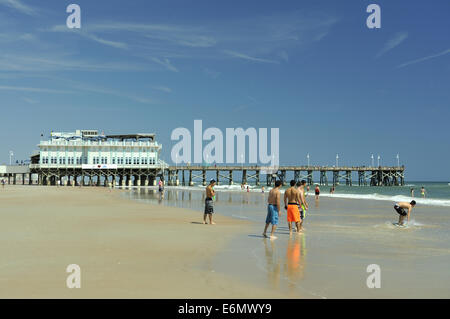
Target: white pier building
column 85, row 157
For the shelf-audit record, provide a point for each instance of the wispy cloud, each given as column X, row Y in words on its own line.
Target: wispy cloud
column 19, row 6
column 424, row 58
column 263, row 39
column 162, row 89
column 49, row 63
column 247, row 57
column 181, row 35
column 284, row 56
column 165, row 63
column 85, row 87
column 29, row 101
column 90, row 36
column 211, row 73
column 32, row 89
column 395, row 41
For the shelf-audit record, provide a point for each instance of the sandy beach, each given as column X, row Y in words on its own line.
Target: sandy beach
column 125, row 249
column 132, row 244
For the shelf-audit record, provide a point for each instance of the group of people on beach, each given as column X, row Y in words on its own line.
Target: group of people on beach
column 295, row 205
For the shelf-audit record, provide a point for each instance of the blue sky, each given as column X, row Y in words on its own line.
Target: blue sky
column 311, row 68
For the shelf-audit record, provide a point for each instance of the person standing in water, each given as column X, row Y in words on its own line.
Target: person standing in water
column 401, row 208
column 422, row 192
column 291, row 203
column 317, row 191
column 209, row 208
column 273, row 209
column 303, row 205
column 412, row 192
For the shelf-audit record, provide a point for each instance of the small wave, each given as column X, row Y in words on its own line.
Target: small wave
column 391, row 198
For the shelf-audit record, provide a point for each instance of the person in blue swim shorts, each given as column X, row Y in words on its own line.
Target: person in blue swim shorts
column 273, row 210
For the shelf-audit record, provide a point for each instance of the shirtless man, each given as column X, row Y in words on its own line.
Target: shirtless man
column 273, row 209
column 209, row 208
column 400, row 209
column 302, row 200
column 291, row 203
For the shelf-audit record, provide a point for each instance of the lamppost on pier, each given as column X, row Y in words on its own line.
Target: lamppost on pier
column 11, row 154
column 379, row 158
column 307, row 157
column 372, row 160
column 398, row 160
column 337, row 160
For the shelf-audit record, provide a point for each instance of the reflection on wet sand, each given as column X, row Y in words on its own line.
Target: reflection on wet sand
column 295, row 259
column 294, row 263
column 273, row 263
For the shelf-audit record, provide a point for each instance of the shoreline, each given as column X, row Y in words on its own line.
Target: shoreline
column 436, row 202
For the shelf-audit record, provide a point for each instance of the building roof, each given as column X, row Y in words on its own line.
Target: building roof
column 137, row 136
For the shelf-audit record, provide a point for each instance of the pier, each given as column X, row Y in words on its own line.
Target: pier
column 325, row 175
column 135, row 175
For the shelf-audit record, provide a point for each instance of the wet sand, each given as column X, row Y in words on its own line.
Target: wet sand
column 125, row 249
column 329, row 260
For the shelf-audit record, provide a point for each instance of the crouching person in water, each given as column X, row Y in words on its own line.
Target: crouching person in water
column 273, row 209
column 401, row 208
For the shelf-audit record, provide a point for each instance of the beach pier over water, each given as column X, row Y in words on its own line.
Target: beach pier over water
column 90, row 158
column 373, row 176
column 147, row 175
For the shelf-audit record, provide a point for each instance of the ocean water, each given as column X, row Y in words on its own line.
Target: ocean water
column 436, row 193
column 343, row 235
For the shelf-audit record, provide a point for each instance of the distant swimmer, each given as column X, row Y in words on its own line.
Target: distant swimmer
column 317, row 191
column 401, row 208
column 273, row 209
column 291, row 203
column 209, row 208
column 303, row 205
column 412, row 192
column 160, row 185
column 422, row 192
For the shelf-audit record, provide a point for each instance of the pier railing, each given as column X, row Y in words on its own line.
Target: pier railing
column 367, row 175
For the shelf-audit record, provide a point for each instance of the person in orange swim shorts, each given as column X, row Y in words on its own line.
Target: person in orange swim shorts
column 291, row 196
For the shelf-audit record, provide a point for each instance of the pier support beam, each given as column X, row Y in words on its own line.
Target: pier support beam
column 244, row 176
column 191, row 182
column 204, row 177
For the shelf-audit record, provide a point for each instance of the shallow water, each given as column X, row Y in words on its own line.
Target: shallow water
column 329, row 260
